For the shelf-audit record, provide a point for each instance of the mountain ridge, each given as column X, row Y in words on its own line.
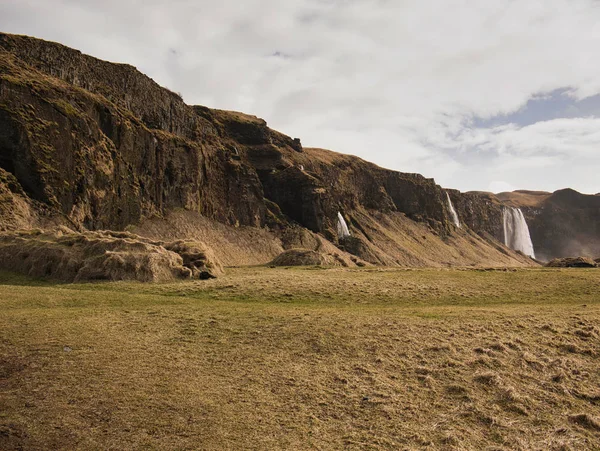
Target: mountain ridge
column 97, row 145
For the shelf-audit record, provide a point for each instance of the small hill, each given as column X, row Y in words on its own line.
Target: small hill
column 523, row 198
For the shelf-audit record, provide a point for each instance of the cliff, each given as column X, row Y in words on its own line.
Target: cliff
column 562, row 224
column 97, row 145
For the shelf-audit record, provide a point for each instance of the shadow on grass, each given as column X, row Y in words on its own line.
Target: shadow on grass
column 9, row 278
column 13, row 278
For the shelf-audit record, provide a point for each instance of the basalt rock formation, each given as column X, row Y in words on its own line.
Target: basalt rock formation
column 95, row 145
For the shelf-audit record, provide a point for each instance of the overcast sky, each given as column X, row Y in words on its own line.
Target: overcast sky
column 481, row 95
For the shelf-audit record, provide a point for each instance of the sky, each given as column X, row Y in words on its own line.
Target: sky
column 480, row 95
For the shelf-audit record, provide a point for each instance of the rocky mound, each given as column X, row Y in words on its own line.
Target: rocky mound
column 573, row 262
column 73, row 257
column 307, row 257
column 196, row 256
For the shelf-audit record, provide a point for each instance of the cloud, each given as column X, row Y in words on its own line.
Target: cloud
column 413, row 85
column 526, row 157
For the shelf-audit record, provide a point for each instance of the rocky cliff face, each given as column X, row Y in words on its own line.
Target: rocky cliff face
column 480, row 211
column 562, row 224
column 107, row 154
column 97, row 145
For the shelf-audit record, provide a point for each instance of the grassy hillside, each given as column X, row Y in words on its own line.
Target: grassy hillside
column 304, row 359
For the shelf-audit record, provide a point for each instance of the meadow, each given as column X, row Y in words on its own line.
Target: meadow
column 304, row 358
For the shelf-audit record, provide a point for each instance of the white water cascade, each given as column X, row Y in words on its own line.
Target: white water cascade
column 453, row 211
column 516, row 232
column 342, row 227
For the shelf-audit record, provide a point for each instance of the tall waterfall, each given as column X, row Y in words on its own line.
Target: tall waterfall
column 342, row 227
column 516, row 232
column 452, row 211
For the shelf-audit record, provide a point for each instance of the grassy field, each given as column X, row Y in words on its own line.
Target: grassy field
column 307, row 358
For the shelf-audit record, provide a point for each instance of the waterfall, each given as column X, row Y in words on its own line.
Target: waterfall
column 516, row 232
column 342, row 227
column 452, row 211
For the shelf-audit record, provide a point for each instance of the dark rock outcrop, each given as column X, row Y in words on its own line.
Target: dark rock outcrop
column 480, row 211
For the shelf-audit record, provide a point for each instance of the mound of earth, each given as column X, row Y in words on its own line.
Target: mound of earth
column 573, row 262
column 102, row 255
column 307, row 257
column 199, row 258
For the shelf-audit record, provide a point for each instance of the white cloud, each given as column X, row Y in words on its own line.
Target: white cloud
column 394, row 82
column 548, row 155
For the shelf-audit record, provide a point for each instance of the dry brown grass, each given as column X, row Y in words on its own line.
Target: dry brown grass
column 304, row 359
column 524, row 198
